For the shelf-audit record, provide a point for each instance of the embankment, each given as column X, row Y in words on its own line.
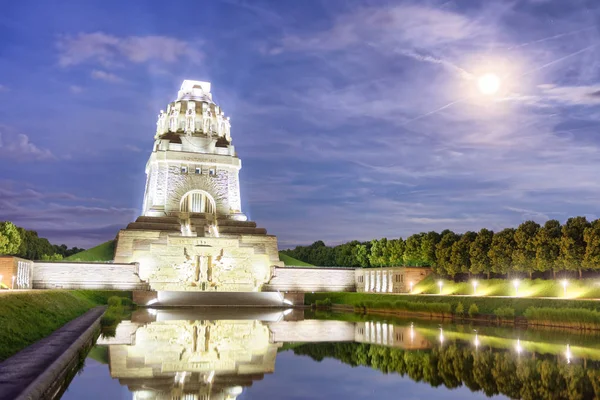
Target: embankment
column 577, row 314
column 26, row 317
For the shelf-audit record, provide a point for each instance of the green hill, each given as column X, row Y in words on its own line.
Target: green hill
column 287, row 260
column 102, row 252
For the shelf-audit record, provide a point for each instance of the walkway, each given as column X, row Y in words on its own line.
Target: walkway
column 18, row 372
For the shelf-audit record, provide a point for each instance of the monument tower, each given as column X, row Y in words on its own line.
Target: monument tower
column 193, row 235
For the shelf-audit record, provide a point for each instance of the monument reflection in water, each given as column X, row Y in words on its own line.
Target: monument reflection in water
column 216, row 354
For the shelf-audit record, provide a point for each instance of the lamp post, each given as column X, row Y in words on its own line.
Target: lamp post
column 474, row 288
column 13, row 282
column 440, row 284
column 564, row 284
column 516, row 283
column 411, row 286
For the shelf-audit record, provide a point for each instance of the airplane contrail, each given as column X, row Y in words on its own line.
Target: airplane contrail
column 551, row 37
column 559, row 59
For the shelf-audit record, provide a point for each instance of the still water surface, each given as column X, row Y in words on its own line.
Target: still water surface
column 216, row 355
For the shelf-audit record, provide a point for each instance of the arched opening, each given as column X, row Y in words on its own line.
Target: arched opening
column 197, row 201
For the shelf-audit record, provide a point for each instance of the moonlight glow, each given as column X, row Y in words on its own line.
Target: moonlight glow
column 489, row 84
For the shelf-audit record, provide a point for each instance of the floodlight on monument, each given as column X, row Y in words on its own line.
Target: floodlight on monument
column 411, row 286
column 474, row 283
column 440, row 284
column 565, row 283
column 516, row 284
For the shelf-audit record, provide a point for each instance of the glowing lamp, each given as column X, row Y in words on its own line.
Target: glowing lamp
column 474, row 283
column 516, row 284
column 411, row 286
column 13, row 282
column 564, row 285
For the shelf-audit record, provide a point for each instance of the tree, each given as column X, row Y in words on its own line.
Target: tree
column 377, row 258
column 591, row 235
column 395, row 252
column 10, row 238
column 443, row 252
column 524, row 254
column 361, row 253
column 478, row 252
column 503, row 245
column 428, row 243
column 547, row 247
column 572, row 244
column 412, row 250
column 459, row 257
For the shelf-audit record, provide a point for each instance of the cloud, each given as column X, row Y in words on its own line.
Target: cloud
column 105, row 76
column 3, row 88
column 75, row 89
column 133, row 148
column 109, row 50
column 18, row 146
column 585, row 95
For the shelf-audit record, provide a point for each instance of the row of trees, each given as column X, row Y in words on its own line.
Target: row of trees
column 24, row 243
column 574, row 246
column 491, row 371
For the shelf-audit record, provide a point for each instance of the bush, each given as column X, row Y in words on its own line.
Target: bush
column 505, row 312
column 115, row 301
column 577, row 317
column 323, row 303
column 459, row 309
column 473, row 310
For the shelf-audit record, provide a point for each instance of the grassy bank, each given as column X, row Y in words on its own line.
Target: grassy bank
column 578, row 314
column 585, row 288
column 30, row 316
column 291, row 261
column 102, row 252
column 486, row 305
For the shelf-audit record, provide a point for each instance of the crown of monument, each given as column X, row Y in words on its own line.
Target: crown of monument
column 195, row 90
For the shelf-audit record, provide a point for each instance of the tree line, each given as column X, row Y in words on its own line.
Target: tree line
column 20, row 242
column 488, row 370
column 530, row 248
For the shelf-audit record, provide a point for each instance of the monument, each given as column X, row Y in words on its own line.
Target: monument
column 193, row 235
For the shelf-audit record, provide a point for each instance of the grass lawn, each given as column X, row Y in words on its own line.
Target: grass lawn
column 486, row 305
column 27, row 317
column 102, row 252
column 287, row 260
column 585, row 288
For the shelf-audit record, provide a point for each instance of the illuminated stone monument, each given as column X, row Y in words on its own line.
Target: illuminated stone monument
column 193, row 235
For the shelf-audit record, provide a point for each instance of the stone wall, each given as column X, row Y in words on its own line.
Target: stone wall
column 390, row 279
column 72, row 275
column 295, row 279
column 19, row 268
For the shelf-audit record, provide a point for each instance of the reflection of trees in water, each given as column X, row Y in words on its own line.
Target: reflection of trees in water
column 531, row 376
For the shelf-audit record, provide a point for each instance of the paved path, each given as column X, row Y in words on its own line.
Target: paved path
column 20, row 371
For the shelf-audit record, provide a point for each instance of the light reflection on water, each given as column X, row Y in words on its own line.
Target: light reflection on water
column 228, row 354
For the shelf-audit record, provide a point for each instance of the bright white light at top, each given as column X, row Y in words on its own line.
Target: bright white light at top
column 488, row 84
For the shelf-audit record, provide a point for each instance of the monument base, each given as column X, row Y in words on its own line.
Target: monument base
column 235, row 257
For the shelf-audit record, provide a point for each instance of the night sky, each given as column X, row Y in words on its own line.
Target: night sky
column 353, row 119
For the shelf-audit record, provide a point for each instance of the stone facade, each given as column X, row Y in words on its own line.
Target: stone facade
column 75, row 275
column 193, row 235
column 15, row 272
column 389, row 280
column 298, row 279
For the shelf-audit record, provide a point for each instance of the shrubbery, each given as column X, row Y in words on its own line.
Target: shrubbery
column 473, row 310
column 326, row 303
column 505, row 312
column 577, row 317
column 459, row 309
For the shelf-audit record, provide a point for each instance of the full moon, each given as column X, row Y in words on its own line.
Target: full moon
column 489, row 84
